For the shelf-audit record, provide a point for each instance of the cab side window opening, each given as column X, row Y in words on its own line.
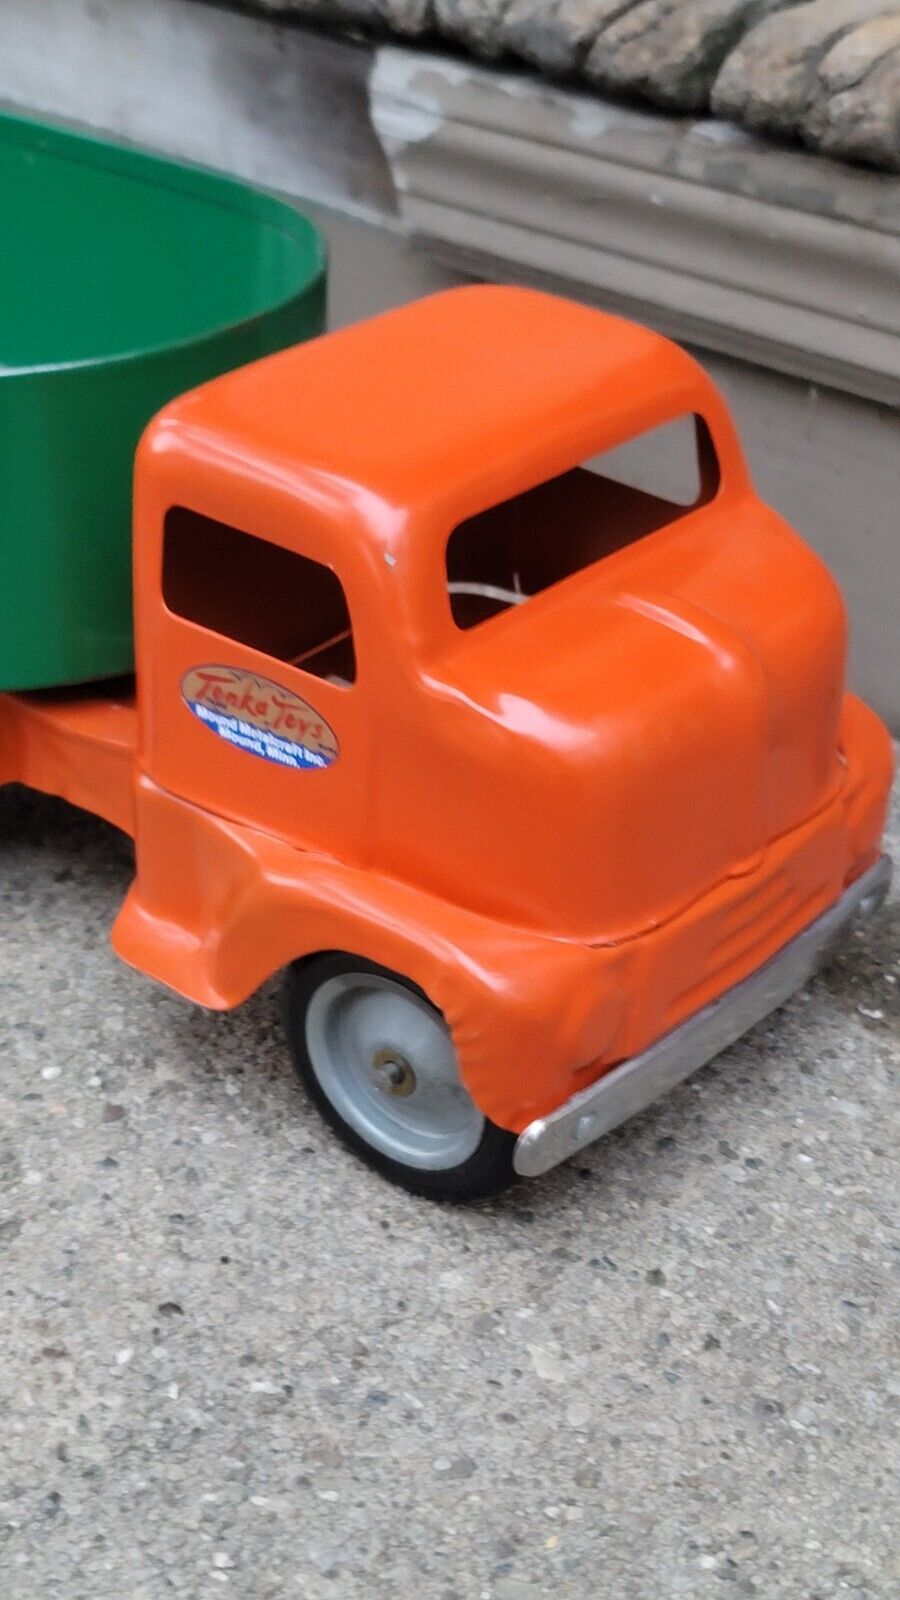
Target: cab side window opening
column 259, row 594
column 500, row 557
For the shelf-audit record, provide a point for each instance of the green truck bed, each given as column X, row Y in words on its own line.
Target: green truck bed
column 124, row 280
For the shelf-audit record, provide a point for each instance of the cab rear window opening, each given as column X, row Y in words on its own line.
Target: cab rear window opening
column 502, row 556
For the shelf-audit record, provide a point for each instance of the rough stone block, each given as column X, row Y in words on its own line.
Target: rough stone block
column 557, row 34
column 856, row 107
column 477, row 23
column 769, row 80
column 669, row 51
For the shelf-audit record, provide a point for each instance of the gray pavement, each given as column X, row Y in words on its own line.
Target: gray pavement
column 236, row 1363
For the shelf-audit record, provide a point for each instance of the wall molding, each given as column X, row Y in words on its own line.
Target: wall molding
column 776, row 257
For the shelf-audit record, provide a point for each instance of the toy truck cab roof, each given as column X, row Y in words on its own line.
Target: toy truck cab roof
column 424, row 416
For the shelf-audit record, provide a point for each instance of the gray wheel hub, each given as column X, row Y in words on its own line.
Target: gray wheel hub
column 385, row 1060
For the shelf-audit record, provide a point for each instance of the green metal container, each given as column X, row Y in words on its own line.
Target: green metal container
column 124, row 280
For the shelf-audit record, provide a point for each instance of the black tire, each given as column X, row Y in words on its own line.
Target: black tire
column 486, row 1172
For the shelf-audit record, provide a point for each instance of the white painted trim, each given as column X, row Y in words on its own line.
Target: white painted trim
column 774, row 256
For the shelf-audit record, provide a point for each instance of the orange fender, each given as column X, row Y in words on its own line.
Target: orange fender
column 217, row 908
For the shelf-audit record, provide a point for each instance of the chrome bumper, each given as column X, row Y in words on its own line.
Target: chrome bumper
column 635, row 1084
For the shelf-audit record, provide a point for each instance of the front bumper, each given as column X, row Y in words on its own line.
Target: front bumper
column 634, row 1084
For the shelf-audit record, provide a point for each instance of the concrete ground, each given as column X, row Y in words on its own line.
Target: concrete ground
column 234, row 1362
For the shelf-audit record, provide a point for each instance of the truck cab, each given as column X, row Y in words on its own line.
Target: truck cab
column 478, row 689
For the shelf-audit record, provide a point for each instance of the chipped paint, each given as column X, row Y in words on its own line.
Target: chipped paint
column 401, row 123
column 591, row 119
column 412, row 95
column 404, row 110
column 716, row 131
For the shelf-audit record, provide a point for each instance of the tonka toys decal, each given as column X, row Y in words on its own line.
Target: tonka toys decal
column 259, row 717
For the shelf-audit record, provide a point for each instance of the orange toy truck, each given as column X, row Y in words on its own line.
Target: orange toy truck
column 541, row 785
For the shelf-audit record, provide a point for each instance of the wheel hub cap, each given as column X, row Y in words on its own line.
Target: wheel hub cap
column 385, row 1059
column 392, row 1074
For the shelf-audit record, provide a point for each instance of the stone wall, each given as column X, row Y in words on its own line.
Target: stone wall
column 826, row 72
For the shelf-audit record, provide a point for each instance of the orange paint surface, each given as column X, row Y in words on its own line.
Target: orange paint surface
column 573, row 825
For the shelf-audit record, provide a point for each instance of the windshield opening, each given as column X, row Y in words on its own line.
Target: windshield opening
column 504, row 555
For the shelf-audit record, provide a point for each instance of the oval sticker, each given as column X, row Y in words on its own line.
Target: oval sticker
column 259, row 717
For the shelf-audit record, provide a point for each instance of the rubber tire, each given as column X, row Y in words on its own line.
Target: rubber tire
column 488, row 1171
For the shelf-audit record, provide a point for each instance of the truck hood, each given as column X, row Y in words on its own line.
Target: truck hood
column 675, row 708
